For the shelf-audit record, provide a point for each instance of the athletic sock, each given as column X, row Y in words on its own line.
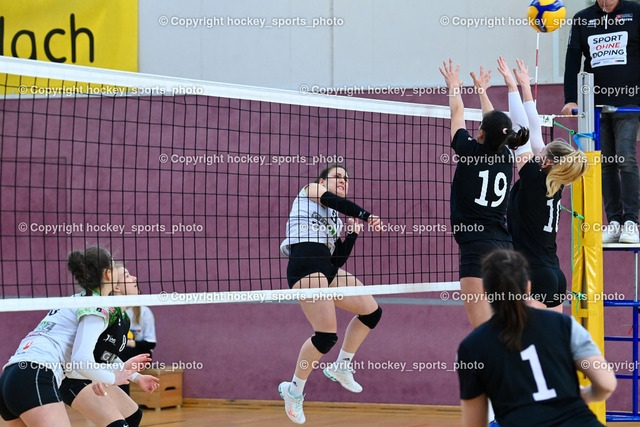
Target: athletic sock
column 344, row 359
column 297, row 386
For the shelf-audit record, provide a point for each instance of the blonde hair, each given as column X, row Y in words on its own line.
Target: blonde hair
column 136, row 314
column 568, row 165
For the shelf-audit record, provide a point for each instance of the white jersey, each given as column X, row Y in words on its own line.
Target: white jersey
column 311, row 222
column 144, row 329
column 50, row 344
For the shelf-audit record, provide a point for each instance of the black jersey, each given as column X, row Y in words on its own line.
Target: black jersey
column 610, row 44
column 114, row 339
column 537, row 386
column 533, row 217
column 479, row 192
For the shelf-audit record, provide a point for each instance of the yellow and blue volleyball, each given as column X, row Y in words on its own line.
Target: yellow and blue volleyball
column 546, row 15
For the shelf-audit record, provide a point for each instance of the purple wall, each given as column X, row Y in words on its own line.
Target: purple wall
column 99, row 161
column 246, row 350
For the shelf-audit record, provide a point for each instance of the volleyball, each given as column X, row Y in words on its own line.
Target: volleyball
column 546, row 15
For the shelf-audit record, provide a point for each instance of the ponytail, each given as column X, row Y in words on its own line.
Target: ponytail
column 568, row 165
column 88, row 266
column 517, row 139
column 505, row 277
column 499, row 133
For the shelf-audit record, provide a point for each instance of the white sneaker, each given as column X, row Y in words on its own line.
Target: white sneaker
column 611, row 233
column 343, row 376
column 629, row 233
column 292, row 404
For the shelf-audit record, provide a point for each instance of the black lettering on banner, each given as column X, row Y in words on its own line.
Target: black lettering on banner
column 14, row 43
column 47, row 49
column 74, row 32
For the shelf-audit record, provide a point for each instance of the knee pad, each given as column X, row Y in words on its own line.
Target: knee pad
column 371, row 320
column 119, row 423
column 323, row 341
column 134, row 419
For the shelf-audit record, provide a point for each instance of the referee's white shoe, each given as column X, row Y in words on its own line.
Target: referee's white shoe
column 611, row 232
column 629, row 233
column 343, row 376
column 292, row 404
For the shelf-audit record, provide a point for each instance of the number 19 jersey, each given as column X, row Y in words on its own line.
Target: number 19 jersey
column 480, row 190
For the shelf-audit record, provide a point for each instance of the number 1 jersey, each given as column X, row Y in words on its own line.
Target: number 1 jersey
column 537, row 386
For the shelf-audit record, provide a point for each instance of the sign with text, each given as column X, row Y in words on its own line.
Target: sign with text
column 82, row 32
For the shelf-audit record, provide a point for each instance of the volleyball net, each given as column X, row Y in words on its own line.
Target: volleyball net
column 190, row 184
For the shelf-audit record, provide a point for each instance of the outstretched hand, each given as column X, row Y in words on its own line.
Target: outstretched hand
column 148, row 383
column 450, row 74
column 503, row 69
column 481, row 83
column 522, row 73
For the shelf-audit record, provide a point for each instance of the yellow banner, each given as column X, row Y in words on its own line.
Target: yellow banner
column 96, row 33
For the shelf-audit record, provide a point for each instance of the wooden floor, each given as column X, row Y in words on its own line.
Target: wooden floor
column 269, row 414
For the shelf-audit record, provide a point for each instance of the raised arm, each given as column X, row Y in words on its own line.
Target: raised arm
column 535, row 127
column 482, row 84
column 319, row 194
column 524, row 80
column 516, row 111
column 455, row 97
column 509, row 81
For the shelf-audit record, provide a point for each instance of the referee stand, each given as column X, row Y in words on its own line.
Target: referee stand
column 594, row 269
column 634, row 415
column 614, row 416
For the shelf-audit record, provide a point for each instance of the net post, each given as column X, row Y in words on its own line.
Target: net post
column 587, row 254
column 586, row 106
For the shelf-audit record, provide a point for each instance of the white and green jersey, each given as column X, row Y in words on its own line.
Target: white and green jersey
column 51, row 343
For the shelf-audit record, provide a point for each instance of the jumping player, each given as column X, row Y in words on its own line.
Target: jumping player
column 113, row 408
column 316, row 254
column 534, row 202
column 29, row 393
column 525, row 359
column 480, row 188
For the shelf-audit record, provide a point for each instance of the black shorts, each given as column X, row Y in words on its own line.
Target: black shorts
column 472, row 253
column 24, row 386
column 548, row 284
column 307, row 258
column 70, row 388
